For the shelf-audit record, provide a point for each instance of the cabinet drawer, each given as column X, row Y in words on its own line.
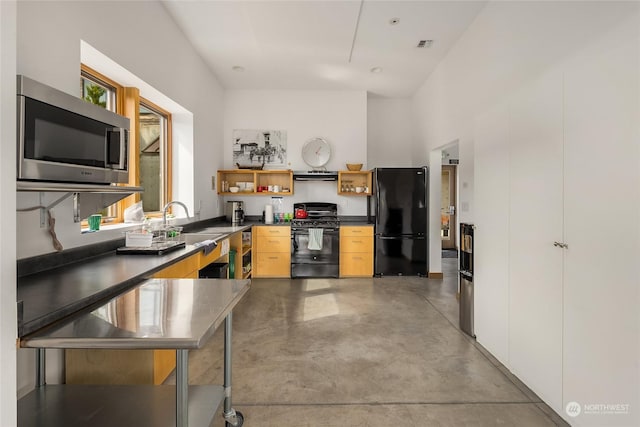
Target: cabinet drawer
column 272, row 265
column 356, row 244
column 273, row 231
column 273, row 244
column 351, row 230
column 180, row 269
column 211, row 256
column 356, row 264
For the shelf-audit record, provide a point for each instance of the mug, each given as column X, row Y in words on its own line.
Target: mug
column 94, row 222
column 276, row 188
column 270, row 188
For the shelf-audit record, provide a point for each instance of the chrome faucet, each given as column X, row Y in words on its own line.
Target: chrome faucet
column 166, row 207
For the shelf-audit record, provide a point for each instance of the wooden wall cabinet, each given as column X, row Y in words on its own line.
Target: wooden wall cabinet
column 259, row 178
column 356, row 251
column 349, row 180
column 271, row 248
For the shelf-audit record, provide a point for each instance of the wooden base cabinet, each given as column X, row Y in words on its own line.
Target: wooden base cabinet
column 356, row 251
column 118, row 366
column 271, row 249
column 185, row 269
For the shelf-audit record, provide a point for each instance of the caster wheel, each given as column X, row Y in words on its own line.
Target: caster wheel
column 240, row 418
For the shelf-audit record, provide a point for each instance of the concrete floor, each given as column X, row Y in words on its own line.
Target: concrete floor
column 363, row 352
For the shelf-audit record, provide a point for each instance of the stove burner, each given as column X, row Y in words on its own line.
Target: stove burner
column 320, row 215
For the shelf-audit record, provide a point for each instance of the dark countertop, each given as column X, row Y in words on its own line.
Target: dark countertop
column 53, row 294
column 362, row 223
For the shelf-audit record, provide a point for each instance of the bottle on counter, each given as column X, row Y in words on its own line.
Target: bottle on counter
column 278, row 209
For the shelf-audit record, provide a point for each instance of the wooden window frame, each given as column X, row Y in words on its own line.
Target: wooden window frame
column 167, row 156
column 127, row 104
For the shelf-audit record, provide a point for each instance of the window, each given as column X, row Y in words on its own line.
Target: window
column 97, row 91
column 153, row 156
column 150, row 142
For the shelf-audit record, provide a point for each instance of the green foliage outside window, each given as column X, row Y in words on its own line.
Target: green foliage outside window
column 93, row 93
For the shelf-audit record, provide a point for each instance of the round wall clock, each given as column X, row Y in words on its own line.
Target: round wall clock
column 316, row 152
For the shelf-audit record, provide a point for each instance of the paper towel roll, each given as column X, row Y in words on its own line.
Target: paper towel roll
column 268, row 214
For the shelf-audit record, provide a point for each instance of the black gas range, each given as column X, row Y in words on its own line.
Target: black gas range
column 315, row 241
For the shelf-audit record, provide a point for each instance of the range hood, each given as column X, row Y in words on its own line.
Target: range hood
column 315, row 175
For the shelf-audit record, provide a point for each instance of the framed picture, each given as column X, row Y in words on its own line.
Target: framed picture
column 257, row 147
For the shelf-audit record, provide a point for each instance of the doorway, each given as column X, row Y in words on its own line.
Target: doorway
column 448, row 207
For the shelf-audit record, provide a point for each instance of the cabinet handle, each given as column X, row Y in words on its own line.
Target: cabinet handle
column 273, row 241
column 273, row 257
column 356, row 241
column 561, row 245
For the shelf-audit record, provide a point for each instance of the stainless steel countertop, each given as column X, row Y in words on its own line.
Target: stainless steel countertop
column 159, row 313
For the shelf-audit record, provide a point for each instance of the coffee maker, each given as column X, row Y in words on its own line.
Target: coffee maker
column 234, row 212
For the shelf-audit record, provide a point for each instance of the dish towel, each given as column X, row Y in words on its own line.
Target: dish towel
column 207, row 245
column 315, row 239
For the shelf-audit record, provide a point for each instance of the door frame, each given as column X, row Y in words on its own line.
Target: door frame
column 451, row 242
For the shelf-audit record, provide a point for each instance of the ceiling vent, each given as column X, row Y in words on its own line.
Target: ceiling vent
column 424, row 44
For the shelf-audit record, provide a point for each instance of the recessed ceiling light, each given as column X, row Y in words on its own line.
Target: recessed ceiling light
column 376, row 70
column 237, row 68
column 394, row 21
column 425, row 43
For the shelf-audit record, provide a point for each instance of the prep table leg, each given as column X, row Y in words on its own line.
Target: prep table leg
column 41, row 368
column 231, row 417
column 182, row 388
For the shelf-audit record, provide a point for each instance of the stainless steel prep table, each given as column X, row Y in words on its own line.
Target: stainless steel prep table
column 179, row 314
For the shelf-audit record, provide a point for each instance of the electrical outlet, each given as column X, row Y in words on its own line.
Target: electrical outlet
column 213, row 183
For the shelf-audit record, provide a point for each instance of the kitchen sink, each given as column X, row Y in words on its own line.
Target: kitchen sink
column 191, row 238
column 156, row 248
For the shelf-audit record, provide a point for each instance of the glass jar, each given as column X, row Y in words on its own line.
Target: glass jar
column 278, row 208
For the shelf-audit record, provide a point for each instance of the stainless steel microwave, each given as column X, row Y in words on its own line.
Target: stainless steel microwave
column 62, row 138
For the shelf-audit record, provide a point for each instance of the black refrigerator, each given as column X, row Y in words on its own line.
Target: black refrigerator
column 401, row 219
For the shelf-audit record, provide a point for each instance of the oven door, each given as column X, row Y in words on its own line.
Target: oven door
column 323, row 262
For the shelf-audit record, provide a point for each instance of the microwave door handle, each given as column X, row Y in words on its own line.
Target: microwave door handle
column 123, row 148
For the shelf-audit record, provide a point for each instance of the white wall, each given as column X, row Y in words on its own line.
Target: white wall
column 340, row 117
column 49, row 50
column 509, row 45
column 8, row 326
column 390, row 132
